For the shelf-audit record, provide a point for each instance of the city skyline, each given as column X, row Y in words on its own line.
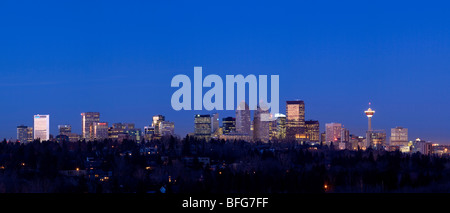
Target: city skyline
column 62, row 59
column 213, row 123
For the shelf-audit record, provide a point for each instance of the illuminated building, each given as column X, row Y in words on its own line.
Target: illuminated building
column 87, row 124
column 312, row 130
column 376, row 139
column 345, row 135
column 235, row 136
column 166, row 128
column 22, row 133
column 295, row 119
column 261, row 125
column 228, row 125
column 157, row 119
column 42, row 127
column 64, row 129
column 100, row 130
column 399, row 136
column 30, row 134
column 422, row 146
column 356, row 141
column 215, row 122
column 323, row 137
column 277, row 127
column 333, row 132
column 134, row 134
column 202, row 128
column 149, row 132
column 243, row 119
column 121, row 131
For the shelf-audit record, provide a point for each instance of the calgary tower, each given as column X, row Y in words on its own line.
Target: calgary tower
column 369, row 112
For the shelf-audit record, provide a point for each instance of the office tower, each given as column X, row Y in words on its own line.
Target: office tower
column 202, row 128
column 228, row 125
column 261, row 125
column 312, row 130
column 42, row 127
column 399, row 136
column 149, row 132
column 73, row 137
column 157, row 119
column 277, row 127
column 295, row 119
column 243, row 120
column 215, row 122
column 166, row 128
column 121, row 131
column 422, row 146
column 345, row 135
column 87, row 124
column 376, row 139
column 30, row 134
column 100, row 130
column 65, row 129
column 356, row 141
column 22, row 134
column 323, row 137
column 333, row 132
column 134, row 134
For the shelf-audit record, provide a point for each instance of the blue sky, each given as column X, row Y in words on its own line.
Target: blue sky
column 118, row 57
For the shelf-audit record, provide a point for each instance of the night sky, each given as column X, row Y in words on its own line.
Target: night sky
column 118, row 58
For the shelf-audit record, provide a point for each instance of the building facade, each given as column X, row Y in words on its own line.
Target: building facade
column 399, row 136
column 333, row 132
column 243, row 119
column 166, row 128
column 312, row 130
column 42, row 127
column 295, row 120
column 228, row 125
column 22, row 134
column 202, row 126
column 100, row 130
column 261, row 124
column 87, row 124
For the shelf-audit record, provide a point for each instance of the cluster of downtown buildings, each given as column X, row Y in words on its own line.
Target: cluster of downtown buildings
column 291, row 126
column 93, row 129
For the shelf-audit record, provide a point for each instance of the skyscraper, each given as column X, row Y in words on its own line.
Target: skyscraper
column 30, row 134
column 202, row 127
column 277, row 127
column 295, row 119
column 261, row 125
column 312, row 130
column 65, row 129
column 399, row 136
column 333, row 132
column 243, row 119
column 376, row 139
column 22, row 133
column 229, row 125
column 42, row 127
column 87, row 124
column 100, row 130
column 157, row 119
column 166, row 128
column 215, row 122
